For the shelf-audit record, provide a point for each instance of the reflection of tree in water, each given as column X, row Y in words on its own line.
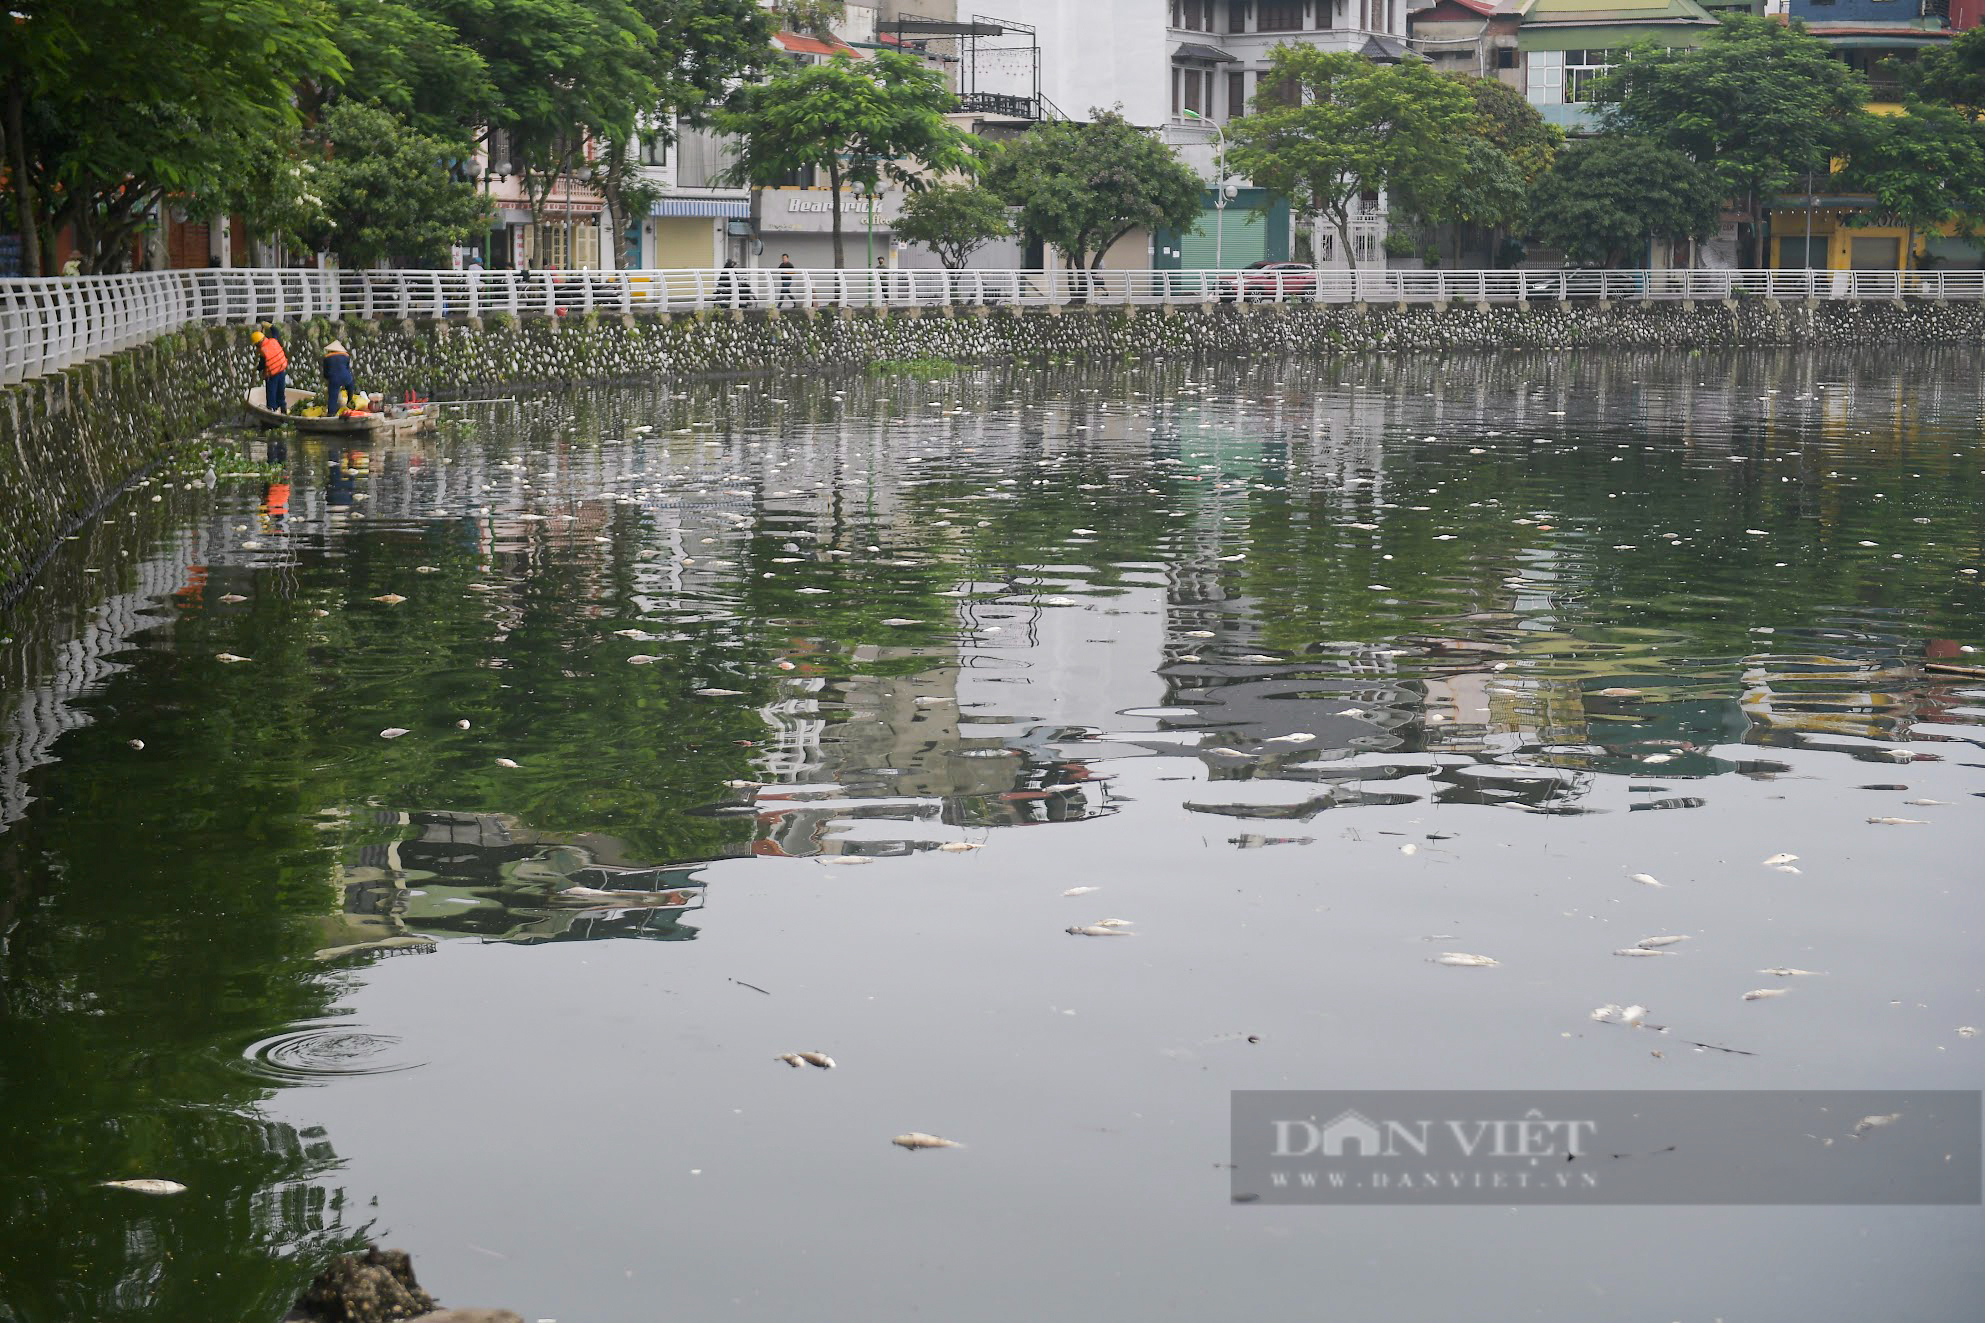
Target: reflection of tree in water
column 491, row 876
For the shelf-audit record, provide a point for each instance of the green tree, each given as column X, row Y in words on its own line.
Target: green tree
column 1924, row 168
column 702, row 49
column 387, row 192
column 1082, row 187
column 1952, row 74
column 1607, row 197
column 1508, row 149
column 107, row 109
column 1759, row 103
column 954, row 221
column 861, row 123
column 1329, row 127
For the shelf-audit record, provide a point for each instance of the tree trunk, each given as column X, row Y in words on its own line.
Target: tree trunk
column 1342, row 224
column 834, row 206
column 1908, row 248
column 24, row 197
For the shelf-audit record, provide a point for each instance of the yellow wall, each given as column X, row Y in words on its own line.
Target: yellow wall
column 1839, row 238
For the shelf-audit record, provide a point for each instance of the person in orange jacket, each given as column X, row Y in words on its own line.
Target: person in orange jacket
column 274, row 364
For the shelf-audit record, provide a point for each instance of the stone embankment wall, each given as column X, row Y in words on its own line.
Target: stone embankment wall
column 67, row 442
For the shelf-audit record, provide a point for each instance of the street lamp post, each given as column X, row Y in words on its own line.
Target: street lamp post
column 1219, row 185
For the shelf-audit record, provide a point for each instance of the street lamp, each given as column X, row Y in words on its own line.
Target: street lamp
column 1220, row 185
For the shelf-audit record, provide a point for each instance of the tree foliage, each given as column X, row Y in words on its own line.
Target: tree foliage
column 1507, row 149
column 109, row 108
column 1082, row 187
column 1951, row 74
column 1759, row 104
column 954, row 221
column 386, row 196
column 1329, row 127
column 858, row 122
column 1605, row 198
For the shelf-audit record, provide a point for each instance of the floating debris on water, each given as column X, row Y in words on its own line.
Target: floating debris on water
column 393, row 732
column 1645, row 879
column 1867, row 1123
column 918, row 1139
column 1463, row 960
column 1614, row 1013
column 1759, row 994
column 147, row 1185
column 1096, row 930
column 1080, row 891
column 1780, row 860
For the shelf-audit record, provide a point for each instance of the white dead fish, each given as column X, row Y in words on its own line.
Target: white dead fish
column 228, row 657
column 145, row 1186
column 793, row 1059
column 1926, row 803
column 393, row 732
column 139, row 745
column 900, row 621
column 820, row 1059
column 1785, row 971
column 1650, row 943
column 1867, row 1123
column 1256, row 657
column 917, row 1139
column 232, row 597
column 1225, row 752
column 1759, row 994
column 1654, row 758
column 1409, row 849
column 507, row 762
column 642, row 659
column 1618, row 692
column 742, row 785
column 1778, row 860
column 1197, row 634
column 1463, row 960
column 390, row 599
column 1967, row 1031
column 1114, row 923
column 1640, row 951
column 1645, row 879
column 1898, row 822
column 1614, row 1013
column 1294, row 737
column 630, row 633
column 1096, row 930
column 720, row 693
column 1080, row 891
column 427, row 569
column 845, row 860
column 960, row 847
column 463, row 724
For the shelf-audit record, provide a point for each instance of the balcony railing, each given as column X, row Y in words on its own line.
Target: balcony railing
column 47, row 325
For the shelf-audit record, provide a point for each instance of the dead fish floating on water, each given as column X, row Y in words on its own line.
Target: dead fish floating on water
column 1463, row 960
column 1294, row 737
column 793, row 1059
column 1113, row 923
column 390, row 599
column 1867, row 1123
column 642, row 659
column 1784, row 971
column 1080, row 891
column 393, row 732
column 1780, row 860
column 960, row 847
column 145, row 1186
column 510, row 763
column 1096, row 930
column 1759, row 994
column 1640, row 951
column 819, row 1059
column 1898, row 822
column 232, row 597
column 138, row 745
column 1651, row 943
column 1645, row 879
column 917, row 1139
column 1634, row 1017
column 228, row 657
column 720, row 693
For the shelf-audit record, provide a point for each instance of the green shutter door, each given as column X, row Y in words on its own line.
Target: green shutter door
column 1244, row 240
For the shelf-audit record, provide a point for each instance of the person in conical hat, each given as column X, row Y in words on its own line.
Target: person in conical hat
column 338, row 378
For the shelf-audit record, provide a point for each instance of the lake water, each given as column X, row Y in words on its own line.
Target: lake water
column 1220, row 640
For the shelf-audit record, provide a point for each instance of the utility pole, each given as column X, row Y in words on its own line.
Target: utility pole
column 1219, row 187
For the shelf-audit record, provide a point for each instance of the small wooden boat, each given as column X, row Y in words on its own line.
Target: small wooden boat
column 396, row 420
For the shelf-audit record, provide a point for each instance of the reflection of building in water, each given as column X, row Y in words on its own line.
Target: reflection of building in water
column 487, row 875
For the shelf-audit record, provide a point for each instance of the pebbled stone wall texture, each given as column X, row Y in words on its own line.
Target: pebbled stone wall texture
column 68, row 441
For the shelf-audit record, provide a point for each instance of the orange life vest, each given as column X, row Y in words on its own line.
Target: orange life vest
column 274, row 360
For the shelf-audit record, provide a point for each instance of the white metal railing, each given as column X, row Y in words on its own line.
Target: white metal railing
column 47, row 325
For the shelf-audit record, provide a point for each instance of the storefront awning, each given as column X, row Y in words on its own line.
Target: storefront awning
column 1204, row 54
column 719, row 208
